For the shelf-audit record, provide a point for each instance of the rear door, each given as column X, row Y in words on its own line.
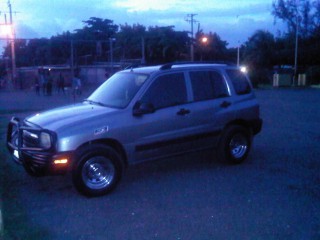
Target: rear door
column 211, row 106
column 245, row 103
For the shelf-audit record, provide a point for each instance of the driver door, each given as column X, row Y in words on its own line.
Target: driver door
column 161, row 133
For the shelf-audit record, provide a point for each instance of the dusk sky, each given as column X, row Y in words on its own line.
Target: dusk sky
column 233, row 20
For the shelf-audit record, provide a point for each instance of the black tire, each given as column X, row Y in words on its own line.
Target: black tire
column 97, row 170
column 234, row 145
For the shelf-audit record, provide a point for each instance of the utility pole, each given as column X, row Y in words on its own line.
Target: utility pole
column 295, row 77
column 13, row 54
column 238, row 55
column 191, row 20
column 143, row 52
column 111, row 40
column 238, row 47
column 72, row 59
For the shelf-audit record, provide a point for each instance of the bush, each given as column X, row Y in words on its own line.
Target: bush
column 313, row 75
column 260, row 76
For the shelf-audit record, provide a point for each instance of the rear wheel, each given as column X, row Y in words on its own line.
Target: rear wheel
column 235, row 144
column 97, row 171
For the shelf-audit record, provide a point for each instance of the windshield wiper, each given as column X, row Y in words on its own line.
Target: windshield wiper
column 94, row 102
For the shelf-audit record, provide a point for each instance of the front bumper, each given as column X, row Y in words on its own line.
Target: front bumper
column 23, row 142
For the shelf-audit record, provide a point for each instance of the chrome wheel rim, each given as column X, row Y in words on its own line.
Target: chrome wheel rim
column 98, row 172
column 238, row 145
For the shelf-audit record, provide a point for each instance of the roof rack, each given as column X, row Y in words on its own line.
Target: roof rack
column 169, row 65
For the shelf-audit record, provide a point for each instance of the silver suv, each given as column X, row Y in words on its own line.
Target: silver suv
column 139, row 115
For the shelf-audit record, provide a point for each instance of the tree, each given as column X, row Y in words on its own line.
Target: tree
column 303, row 21
column 213, row 49
column 91, row 43
column 259, row 55
column 259, row 51
column 303, row 15
column 129, row 41
column 165, row 45
column 60, row 48
column 93, row 38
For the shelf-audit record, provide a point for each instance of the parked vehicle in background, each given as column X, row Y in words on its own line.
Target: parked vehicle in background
column 137, row 115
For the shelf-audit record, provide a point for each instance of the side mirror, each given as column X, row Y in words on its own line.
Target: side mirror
column 141, row 108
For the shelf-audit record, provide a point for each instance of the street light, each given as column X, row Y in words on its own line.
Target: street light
column 238, row 47
column 204, row 40
column 8, row 30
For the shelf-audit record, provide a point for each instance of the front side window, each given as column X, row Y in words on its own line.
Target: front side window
column 208, row 85
column 118, row 90
column 239, row 81
column 167, row 90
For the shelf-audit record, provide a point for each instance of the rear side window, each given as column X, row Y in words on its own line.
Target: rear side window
column 167, row 90
column 207, row 85
column 239, row 81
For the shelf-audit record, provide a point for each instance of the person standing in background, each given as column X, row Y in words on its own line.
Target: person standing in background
column 61, row 83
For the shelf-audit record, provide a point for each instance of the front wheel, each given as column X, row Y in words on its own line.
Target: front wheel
column 97, row 170
column 235, row 144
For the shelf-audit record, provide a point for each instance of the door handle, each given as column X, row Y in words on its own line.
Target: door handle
column 183, row 111
column 225, row 104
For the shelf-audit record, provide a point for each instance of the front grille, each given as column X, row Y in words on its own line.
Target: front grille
column 36, row 158
column 24, row 142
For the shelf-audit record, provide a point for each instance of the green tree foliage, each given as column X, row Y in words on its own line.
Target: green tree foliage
column 59, row 48
column 96, row 29
column 93, row 39
column 303, row 14
column 163, row 44
column 129, row 41
column 214, row 49
column 303, row 18
column 259, row 55
column 92, row 44
column 259, row 50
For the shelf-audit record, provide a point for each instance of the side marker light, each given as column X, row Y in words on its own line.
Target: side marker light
column 60, row 161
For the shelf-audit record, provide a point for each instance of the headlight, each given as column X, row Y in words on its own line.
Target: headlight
column 45, row 140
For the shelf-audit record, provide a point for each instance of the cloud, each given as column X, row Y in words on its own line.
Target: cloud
column 158, row 5
column 25, row 30
column 230, row 19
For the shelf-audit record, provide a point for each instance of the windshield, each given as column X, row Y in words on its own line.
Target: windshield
column 119, row 90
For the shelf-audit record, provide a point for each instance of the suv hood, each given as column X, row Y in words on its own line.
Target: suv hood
column 68, row 116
